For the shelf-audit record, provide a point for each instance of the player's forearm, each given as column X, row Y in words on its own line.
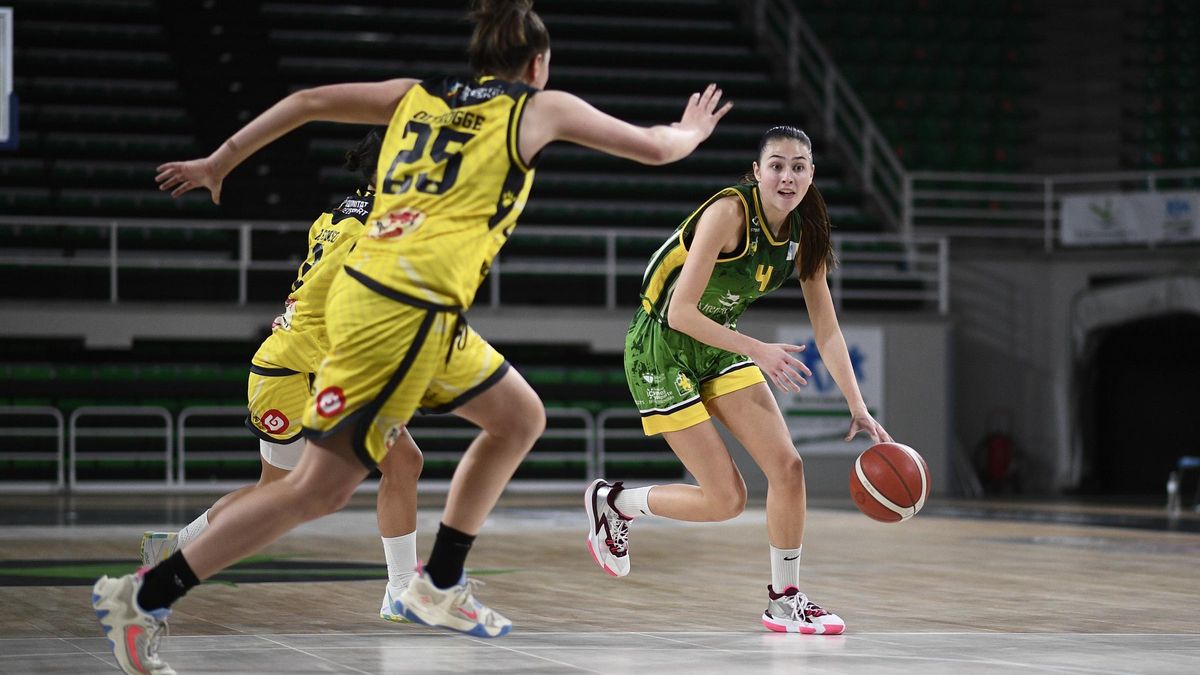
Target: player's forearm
column 691, row 322
column 672, row 143
column 289, row 113
column 836, row 358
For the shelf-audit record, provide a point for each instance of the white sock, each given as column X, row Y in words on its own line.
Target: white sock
column 785, row 568
column 193, row 530
column 401, row 554
column 634, row 502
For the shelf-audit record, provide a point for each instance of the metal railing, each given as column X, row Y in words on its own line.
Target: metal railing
column 55, row 432
column 594, row 431
column 74, row 432
column 230, row 431
column 609, row 253
column 604, row 433
column 1014, row 206
column 814, row 80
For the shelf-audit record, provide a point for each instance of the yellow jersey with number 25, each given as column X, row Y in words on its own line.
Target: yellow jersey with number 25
column 450, row 185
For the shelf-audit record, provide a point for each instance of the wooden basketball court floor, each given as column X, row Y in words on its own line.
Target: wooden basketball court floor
column 962, row 588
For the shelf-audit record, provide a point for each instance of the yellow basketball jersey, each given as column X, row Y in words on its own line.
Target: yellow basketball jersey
column 298, row 340
column 450, row 185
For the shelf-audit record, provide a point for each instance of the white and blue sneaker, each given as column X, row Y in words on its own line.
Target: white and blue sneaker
column 391, row 609
column 455, row 608
column 133, row 633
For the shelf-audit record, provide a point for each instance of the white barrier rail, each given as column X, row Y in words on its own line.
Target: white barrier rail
column 884, row 267
column 604, row 434
column 75, row 431
column 594, row 431
column 1014, row 206
column 55, row 432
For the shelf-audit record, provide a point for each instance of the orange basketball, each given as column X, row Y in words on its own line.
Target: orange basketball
column 889, row 482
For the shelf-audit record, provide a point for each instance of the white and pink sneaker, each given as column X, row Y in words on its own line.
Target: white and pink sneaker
column 792, row 612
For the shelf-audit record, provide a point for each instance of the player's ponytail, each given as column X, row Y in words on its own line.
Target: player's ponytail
column 363, row 157
column 508, row 34
column 816, row 235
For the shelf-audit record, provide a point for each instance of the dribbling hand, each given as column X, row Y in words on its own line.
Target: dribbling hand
column 862, row 421
column 701, row 113
column 777, row 363
column 182, row 177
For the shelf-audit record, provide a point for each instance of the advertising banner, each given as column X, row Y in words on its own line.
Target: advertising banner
column 1130, row 218
column 818, row 417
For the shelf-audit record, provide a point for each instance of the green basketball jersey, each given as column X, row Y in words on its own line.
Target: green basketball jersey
column 757, row 267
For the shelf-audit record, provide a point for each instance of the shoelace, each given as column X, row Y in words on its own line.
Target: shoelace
column 161, row 628
column 466, row 597
column 618, row 528
column 803, row 609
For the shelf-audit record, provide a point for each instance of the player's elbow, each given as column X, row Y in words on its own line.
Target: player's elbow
column 679, row 316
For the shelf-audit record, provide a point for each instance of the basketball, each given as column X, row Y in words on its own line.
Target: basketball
column 889, row 482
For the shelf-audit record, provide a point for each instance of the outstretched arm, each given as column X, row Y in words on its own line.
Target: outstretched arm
column 559, row 116
column 827, row 333
column 360, row 103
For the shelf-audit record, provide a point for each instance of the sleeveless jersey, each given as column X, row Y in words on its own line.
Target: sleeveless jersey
column 450, row 186
column 298, row 340
column 757, row 267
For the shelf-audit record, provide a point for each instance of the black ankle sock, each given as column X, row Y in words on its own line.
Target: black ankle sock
column 166, row 583
column 445, row 566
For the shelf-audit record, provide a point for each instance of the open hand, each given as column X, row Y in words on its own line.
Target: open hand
column 701, row 113
column 182, row 177
column 777, row 363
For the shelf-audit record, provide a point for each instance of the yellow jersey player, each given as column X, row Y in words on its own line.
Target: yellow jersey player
column 280, row 389
column 394, row 311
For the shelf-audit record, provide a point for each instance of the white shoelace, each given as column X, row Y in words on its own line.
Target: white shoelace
column 618, row 528
column 801, row 607
column 152, row 642
column 466, row 597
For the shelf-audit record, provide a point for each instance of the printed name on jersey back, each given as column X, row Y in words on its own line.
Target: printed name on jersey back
column 456, row 118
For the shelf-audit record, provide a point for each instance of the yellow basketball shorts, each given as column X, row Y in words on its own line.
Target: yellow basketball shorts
column 276, row 399
column 390, row 355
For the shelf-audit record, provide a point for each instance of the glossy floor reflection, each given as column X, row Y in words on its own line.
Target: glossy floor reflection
column 942, row 593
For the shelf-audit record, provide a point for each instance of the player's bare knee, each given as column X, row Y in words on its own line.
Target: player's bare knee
column 522, row 425
column 728, row 503
column 790, row 476
column 404, row 461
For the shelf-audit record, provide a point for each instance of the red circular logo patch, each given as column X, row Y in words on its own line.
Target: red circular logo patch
column 330, row 401
column 274, row 421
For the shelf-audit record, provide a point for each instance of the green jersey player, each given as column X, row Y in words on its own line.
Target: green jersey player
column 685, row 363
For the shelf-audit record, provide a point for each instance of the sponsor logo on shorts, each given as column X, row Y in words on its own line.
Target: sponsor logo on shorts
column 274, row 421
column 657, row 395
column 330, row 401
column 684, row 384
column 397, row 223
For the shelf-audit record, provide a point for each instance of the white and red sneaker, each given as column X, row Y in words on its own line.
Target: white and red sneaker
column 608, row 528
column 792, row 612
